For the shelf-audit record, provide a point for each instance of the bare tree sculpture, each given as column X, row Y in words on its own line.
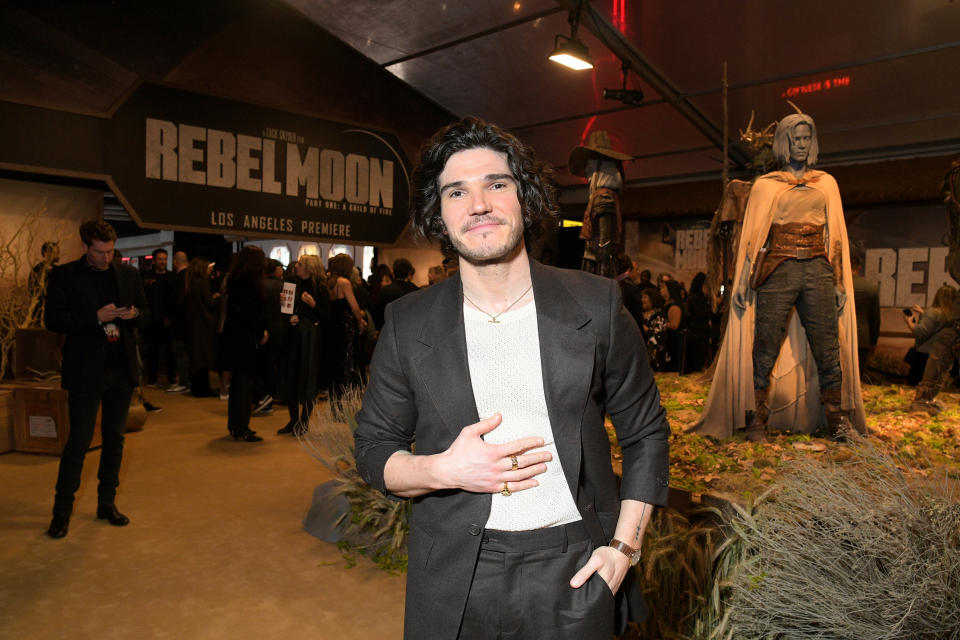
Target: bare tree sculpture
column 21, row 299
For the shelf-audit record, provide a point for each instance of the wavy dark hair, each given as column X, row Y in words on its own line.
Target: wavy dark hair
column 248, row 269
column 674, row 289
column 198, row 271
column 535, row 187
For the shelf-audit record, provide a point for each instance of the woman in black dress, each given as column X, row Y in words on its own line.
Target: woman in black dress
column 347, row 323
column 201, row 309
column 301, row 373
column 676, row 315
column 244, row 331
column 698, row 326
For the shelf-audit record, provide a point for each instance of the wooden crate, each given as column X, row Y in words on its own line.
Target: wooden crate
column 41, row 419
column 36, row 352
column 6, row 421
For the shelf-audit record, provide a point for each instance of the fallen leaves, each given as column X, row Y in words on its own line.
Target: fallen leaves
column 810, row 446
column 736, row 467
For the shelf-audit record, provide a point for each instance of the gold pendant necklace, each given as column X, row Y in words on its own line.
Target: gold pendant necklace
column 493, row 318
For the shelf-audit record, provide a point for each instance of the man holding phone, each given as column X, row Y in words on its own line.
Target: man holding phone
column 96, row 303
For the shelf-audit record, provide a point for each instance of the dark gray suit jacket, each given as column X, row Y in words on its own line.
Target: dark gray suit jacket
column 594, row 362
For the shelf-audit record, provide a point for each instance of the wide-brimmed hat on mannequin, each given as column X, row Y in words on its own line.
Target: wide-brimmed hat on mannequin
column 597, row 143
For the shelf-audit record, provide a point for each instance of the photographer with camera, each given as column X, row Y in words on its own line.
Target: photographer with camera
column 934, row 335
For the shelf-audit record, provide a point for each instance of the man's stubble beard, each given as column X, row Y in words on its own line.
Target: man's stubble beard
column 489, row 255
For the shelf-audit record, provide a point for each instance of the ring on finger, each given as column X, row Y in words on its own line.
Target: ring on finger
column 506, row 489
column 514, row 465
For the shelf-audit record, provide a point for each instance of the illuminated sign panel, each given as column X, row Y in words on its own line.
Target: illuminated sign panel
column 815, row 87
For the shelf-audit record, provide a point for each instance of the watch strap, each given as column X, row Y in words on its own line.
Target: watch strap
column 627, row 550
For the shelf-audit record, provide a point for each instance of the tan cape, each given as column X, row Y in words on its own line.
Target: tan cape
column 794, row 392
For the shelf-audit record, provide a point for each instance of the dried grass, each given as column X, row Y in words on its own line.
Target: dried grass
column 376, row 525
column 675, row 571
column 850, row 550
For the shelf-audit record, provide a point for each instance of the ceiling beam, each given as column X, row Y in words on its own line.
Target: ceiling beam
column 473, row 36
column 616, row 42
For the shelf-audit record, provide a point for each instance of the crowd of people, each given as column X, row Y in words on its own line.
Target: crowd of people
column 681, row 327
column 232, row 322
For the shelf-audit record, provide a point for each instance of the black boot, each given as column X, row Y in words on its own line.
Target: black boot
column 109, row 513
column 58, row 526
column 924, row 399
column 756, row 430
column 293, row 408
column 838, row 422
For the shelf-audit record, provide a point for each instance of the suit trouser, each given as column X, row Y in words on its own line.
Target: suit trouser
column 808, row 286
column 521, row 589
column 114, row 398
column 157, row 343
column 179, row 348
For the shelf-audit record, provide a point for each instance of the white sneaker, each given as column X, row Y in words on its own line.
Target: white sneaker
column 177, row 388
column 263, row 403
column 224, row 396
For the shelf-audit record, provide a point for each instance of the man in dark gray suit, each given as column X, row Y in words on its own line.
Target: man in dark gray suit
column 518, row 529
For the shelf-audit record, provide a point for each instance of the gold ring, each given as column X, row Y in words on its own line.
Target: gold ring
column 514, row 465
column 506, row 489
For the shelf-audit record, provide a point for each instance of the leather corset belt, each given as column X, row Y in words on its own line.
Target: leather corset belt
column 791, row 241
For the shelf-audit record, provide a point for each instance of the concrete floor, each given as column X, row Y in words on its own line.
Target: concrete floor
column 215, row 547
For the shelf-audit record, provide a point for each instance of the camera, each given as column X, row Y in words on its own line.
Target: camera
column 626, row 96
column 908, row 312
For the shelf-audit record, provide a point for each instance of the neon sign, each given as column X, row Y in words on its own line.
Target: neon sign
column 815, row 87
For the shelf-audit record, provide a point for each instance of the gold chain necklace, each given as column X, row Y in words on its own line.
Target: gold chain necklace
column 493, row 318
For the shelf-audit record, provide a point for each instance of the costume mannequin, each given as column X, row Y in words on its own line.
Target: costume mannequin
column 602, row 226
column 776, row 366
column 728, row 218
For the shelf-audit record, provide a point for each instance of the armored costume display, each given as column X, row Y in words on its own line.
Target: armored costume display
column 602, row 224
column 791, row 340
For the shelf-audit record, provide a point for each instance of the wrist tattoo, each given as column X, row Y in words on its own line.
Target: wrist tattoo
column 636, row 535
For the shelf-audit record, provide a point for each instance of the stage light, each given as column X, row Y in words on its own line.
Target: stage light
column 571, row 53
column 626, row 96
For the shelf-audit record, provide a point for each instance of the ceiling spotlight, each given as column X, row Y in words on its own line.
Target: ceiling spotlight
column 570, row 52
column 626, row 96
column 629, row 97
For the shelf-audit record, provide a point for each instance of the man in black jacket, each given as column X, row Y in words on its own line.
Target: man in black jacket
column 402, row 272
column 96, row 303
column 519, row 527
column 156, row 335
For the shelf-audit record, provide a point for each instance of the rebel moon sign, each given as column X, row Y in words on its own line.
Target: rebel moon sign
column 188, row 161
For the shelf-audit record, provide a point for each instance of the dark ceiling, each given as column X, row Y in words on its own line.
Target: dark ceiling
column 879, row 76
column 896, row 61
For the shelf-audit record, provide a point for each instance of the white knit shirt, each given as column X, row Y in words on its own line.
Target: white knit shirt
column 507, row 379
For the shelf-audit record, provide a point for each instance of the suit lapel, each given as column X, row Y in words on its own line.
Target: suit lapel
column 444, row 368
column 567, row 357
